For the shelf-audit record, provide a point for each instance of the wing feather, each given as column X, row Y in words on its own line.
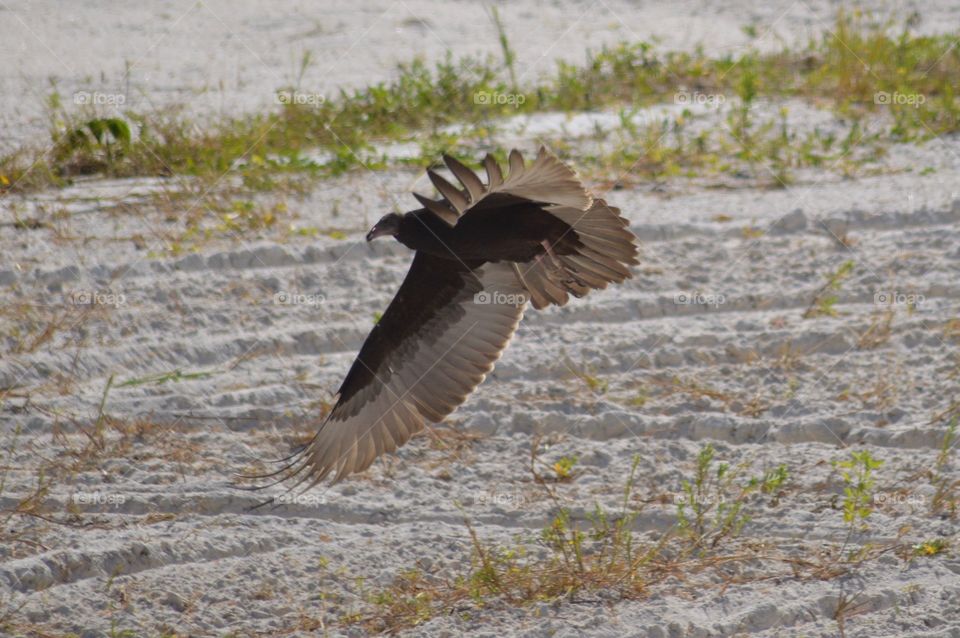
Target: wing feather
column 438, row 208
column 494, row 176
column 546, row 179
column 450, row 192
column 405, row 378
column 516, row 164
column 467, row 177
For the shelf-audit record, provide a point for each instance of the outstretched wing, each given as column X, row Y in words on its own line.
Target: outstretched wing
column 437, row 340
column 596, row 251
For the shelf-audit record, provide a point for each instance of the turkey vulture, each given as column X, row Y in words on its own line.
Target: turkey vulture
column 481, row 253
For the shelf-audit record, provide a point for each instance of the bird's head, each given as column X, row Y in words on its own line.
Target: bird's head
column 388, row 225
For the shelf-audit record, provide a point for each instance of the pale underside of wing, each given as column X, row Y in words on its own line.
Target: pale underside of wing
column 426, row 377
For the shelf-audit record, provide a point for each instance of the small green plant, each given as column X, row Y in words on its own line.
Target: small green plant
column 116, row 632
column 772, row 482
column 739, row 121
column 95, row 145
column 164, row 377
column 944, row 498
column 695, row 496
column 824, row 301
column 639, row 399
column 858, row 481
column 505, row 48
column 931, row 547
column 6, row 462
column 586, row 374
column 564, row 468
column 711, row 506
column 410, row 597
column 101, row 411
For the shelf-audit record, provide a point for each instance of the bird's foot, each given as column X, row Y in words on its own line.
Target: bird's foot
column 555, row 262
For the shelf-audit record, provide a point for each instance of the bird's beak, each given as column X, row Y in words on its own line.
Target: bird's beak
column 377, row 231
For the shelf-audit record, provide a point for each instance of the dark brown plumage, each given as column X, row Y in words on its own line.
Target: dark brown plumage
column 481, row 253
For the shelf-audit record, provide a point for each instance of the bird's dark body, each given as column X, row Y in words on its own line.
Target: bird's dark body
column 443, row 254
column 479, row 235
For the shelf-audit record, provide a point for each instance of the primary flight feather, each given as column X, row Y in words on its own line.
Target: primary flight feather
column 481, row 252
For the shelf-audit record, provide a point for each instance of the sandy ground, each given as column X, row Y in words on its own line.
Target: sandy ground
column 213, row 370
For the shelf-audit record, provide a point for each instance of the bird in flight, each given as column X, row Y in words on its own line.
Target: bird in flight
column 481, row 253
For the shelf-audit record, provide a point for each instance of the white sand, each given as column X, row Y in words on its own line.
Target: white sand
column 168, row 544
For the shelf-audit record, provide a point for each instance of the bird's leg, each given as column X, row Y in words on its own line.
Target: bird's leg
column 568, row 278
column 552, row 263
column 553, row 256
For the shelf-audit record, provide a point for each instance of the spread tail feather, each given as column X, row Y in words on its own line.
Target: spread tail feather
column 605, row 250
